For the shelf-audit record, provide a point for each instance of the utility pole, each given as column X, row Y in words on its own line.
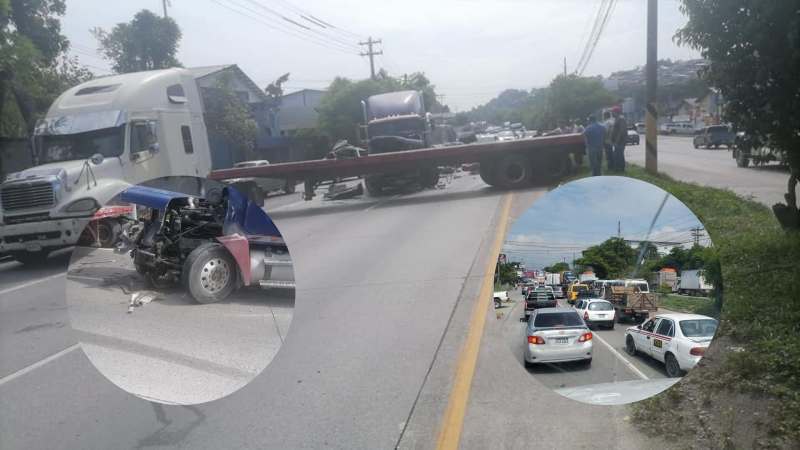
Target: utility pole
column 651, row 137
column 696, row 233
column 164, row 4
column 565, row 67
column 371, row 54
column 619, row 229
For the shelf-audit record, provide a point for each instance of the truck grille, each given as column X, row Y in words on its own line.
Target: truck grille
column 27, row 195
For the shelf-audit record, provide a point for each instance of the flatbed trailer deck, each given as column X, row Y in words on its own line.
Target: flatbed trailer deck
column 508, row 164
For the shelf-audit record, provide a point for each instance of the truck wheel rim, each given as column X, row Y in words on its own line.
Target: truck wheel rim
column 515, row 173
column 215, row 275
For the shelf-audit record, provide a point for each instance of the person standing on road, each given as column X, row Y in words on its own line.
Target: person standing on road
column 619, row 138
column 594, row 136
column 608, row 146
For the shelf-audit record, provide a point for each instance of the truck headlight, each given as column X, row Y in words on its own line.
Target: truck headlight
column 82, row 205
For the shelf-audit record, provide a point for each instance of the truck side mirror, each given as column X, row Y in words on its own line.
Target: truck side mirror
column 97, row 159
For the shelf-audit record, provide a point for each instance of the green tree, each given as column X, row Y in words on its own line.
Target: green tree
column 754, row 60
column 573, row 97
column 507, row 274
column 34, row 68
column 613, row 258
column 147, row 42
column 557, row 267
column 229, row 117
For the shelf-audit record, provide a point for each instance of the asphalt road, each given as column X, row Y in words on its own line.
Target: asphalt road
column 171, row 349
column 716, row 168
column 386, row 292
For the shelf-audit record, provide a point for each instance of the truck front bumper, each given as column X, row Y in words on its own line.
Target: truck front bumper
column 48, row 234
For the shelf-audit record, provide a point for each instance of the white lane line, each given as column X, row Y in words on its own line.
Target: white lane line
column 31, row 283
column 624, row 360
column 37, row 364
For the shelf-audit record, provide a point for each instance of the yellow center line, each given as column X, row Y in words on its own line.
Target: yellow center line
column 450, row 430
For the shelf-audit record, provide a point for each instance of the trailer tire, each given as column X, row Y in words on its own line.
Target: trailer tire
column 550, row 168
column 513, row 172
column 30, row 258
column 210, row 273
column 374, row 186
column 487, row 173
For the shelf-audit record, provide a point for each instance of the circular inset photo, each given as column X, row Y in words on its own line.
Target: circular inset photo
column 180, row 290
column 613, row 280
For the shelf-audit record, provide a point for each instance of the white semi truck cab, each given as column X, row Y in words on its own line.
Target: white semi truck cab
column 97, row 139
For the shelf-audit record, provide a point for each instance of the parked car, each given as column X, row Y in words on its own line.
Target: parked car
column 677, row 340
column 641, row 127
column 557, row 335
column 632, row 138
column 714, row 136
column 537, row 298
column 595, row 311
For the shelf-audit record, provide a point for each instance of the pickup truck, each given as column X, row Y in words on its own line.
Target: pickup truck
column 714, row 136
column 499, row 298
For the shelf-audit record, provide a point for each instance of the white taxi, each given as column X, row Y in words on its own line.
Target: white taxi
column 677, row 340
column 596, row 311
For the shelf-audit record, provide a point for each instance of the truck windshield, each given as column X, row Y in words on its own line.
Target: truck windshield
column 68, row 147
column 411, row 127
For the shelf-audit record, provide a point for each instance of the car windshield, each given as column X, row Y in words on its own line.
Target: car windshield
column 698, row 327
column 600, row 306
column 108, row 142
column 557, row 320
column 581, row 288
column 718, row 129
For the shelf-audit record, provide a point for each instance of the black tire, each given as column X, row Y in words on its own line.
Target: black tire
column 611, row 327
column 513, row 172
column 429, row 178
column 526, row 363
column 696, row 147
column 630, row 346
column 30, row 258
column 587, row 362
column 374, row 186
column 672, row 366
column 487, row 173
column 497, row 303
column 210, row 273
column 551, row 168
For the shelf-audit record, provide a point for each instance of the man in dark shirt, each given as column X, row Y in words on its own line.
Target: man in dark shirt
column 594, row 135
column 619, row 138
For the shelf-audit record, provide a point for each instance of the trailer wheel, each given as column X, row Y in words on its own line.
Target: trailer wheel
column 512, row 172
column 374, row 186
column 487, row 173
column 209, row 273
column 551, row 168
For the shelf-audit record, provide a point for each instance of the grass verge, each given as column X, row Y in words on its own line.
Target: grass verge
column 692, row 305
column 746, row 391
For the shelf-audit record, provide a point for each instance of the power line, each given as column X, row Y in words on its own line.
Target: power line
column 594, row 37
column 597, row 19
column 311, row 18
column 270, row 24
column 301, row 26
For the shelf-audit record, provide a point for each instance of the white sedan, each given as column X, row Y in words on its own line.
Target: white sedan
column 677, row 340
column 596, row 311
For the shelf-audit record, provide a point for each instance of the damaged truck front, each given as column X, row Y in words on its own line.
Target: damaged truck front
column 211, row 246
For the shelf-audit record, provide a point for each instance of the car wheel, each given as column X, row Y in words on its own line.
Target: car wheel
column 31, row 258
column 630, row 346
column 695, row 145
column 611, row 326
column 528, row 365
column 672, row 366
column 587, row 362
column 210, row 273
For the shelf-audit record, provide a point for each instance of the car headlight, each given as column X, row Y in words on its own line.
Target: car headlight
column 82, row 205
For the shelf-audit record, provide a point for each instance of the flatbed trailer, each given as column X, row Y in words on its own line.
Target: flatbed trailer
column 505, row 164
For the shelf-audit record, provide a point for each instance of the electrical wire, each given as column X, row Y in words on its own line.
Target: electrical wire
column 270, row 23
column 597, row 19
column 612, row 5
column 309, row 17
column 301, row 26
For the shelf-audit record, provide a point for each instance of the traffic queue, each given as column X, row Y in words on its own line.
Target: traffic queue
column 561, row 333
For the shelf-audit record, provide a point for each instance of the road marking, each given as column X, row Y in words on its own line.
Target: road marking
column 37, row 364
column 624, row 360
column 450, row 430
column 31, row 283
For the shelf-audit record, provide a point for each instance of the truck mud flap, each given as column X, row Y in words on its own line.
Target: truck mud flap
column 239, row 248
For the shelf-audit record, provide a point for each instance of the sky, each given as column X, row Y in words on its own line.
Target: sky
column 470, row 49
column 588, row 211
